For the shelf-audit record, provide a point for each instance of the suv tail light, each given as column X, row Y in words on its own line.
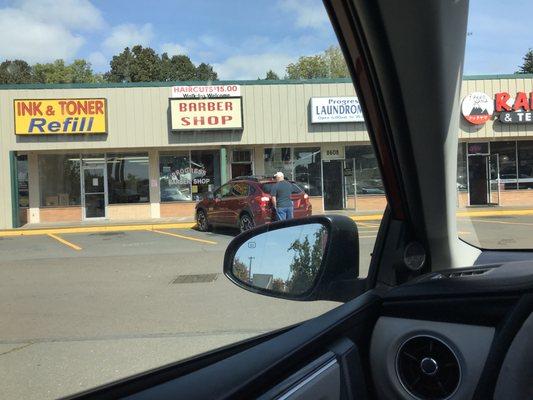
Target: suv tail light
column 263, row 200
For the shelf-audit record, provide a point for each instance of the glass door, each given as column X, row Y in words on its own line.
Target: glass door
column 94, row 189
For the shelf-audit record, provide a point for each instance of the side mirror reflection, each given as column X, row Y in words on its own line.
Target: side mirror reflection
column 286, row 260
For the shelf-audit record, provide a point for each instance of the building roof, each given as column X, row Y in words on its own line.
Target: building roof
column 43, row 86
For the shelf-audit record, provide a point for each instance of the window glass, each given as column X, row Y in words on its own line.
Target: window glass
column 205, row 172
column 59, row 180
column 507, row 159
column 128, row 178
column 240, row 189
column 175, row 177
column 278, row 159
column 22, row 179
column 242, row 156
column 525, row 164
column 308, row 170
column 367, row 175
column 225, row 191
column 461, row 168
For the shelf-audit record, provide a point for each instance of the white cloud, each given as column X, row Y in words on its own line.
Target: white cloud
column 128, row 35
column 252, row 66
column 79, row 15
column 173, row 49
column 98, row 61
column 27, row 37
column 309, row 13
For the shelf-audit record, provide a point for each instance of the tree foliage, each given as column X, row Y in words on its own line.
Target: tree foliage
column 240, row 270
column 329, row 64
column 79, row 71
column 205, row 72
column 527, row 65
column 271, row 76
column 16, row 71
column 177, row 68
column 306, row 262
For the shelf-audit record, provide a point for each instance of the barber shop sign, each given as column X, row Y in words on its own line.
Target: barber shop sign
column 477, row 108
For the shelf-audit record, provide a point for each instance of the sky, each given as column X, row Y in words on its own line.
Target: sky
column 241, row 39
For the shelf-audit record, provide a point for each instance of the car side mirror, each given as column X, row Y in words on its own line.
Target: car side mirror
column 313, row 258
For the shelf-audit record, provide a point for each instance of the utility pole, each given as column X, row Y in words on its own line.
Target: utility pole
column 250, row 269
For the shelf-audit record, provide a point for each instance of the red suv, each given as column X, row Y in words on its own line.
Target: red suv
column 245, row 202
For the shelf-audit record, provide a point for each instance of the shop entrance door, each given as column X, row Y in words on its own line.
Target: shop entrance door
column 333, row 184
column 94, row 191
column 478, row 180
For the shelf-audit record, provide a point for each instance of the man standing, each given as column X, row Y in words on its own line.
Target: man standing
column 281, row 197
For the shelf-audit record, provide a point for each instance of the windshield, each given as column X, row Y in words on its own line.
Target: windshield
column 495, row 149
column 123, row 124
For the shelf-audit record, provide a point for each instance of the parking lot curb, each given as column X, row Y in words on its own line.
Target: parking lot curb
column 94, row 229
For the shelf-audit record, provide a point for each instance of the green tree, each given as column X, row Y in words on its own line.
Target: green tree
column 54, row 72
column 240, row 270
column 308, row 67
column 278, row 285
column 336, row 63
column 329, row 64
column 205, row 72
column 271, row 76
column 140, row 64
column 177, row 68
column 81, row 72
column 15, row 71
column 306, row 262
column 527, row 66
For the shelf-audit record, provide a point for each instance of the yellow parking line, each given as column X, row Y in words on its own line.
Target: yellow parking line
column 65, row 242
column 368, row 225
column 183, row 236
column 500, row 222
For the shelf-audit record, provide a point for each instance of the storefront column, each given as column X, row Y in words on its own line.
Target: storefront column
column 34, row 191
column 259, row 161
column 155, row 195
column 223, row 165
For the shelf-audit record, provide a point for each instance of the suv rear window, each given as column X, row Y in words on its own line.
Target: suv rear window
column 267, row 187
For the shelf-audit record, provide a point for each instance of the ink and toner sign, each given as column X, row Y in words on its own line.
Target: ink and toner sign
column 60, row 116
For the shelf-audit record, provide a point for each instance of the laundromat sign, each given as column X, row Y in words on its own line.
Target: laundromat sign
column 60, row 116
column 478, row 108
column 222, row 113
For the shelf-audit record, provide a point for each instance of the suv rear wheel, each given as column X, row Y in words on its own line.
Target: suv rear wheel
column 246, row 222
column 201, row 221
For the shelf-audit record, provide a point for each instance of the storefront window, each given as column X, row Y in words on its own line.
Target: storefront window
column 59, row 180
column 128, row 178
column 525, row 164
column 175, row 177
column 507, row 160
column 278, row 159
column 22, row 181
column 367, row 176
column 205, row 172
column 241, row 163
column 462, row 184
column 307, row 170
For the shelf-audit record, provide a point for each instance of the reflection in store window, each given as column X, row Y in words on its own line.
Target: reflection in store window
column 462, row 184
column 367, row 175
column 127, row 178
column 278, row 159
column 59, row 180
column 525, row 164
column 175, row 177
column 307, row 170
column 205, row 172
column 507, row 159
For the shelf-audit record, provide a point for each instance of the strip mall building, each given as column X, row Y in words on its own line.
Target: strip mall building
column 72, row 153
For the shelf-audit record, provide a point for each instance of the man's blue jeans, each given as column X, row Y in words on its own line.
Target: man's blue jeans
column 285, row 213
